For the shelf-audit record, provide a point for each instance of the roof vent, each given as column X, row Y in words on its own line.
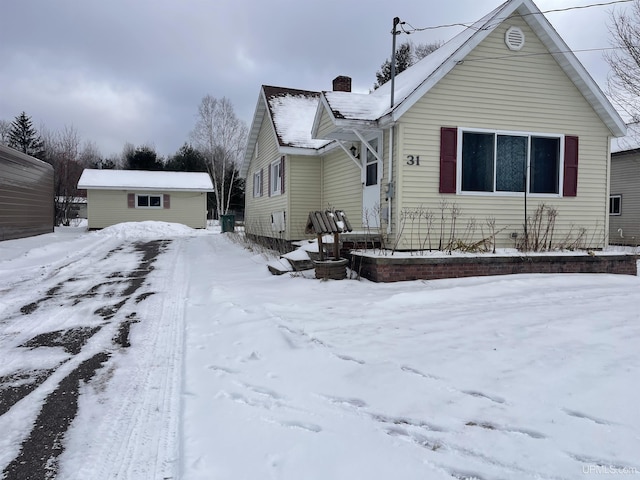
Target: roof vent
column 514, row 38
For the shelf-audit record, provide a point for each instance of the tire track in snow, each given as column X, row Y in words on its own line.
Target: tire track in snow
column 140, row 439
column 40, row 450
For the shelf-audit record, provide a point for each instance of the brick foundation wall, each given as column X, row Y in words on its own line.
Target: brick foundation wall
column 389, row 269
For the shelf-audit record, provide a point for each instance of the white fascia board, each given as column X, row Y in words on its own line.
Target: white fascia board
column 254, row 132
column 299, row 151
column 144, row 189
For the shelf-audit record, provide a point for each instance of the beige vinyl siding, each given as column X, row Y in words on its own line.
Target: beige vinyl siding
column 326, row 125
column 342, row 186
column 524, row 91
column 304, row 184
column 625, row 180
column 109, row 207
column 258, row 210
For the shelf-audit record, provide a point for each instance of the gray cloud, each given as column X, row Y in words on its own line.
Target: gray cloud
column 135, row 71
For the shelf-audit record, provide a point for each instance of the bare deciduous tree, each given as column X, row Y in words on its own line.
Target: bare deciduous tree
column 62, row 150
column 624, row 60
column 5, row 129
column 221, row 137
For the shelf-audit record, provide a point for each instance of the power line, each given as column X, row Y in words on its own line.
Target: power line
column 470, row 24
column 525, row 55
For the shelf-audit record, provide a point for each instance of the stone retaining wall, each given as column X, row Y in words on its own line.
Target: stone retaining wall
column 395, row 269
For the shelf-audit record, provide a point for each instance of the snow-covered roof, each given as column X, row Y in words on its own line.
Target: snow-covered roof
column 144, row 180
column 292, row 112
column 413, row 83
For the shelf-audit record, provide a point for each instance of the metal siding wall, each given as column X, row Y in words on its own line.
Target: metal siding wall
column 26, row 195
column 625, row 174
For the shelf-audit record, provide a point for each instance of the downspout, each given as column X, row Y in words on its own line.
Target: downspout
column 390, row 184
column 390, row 192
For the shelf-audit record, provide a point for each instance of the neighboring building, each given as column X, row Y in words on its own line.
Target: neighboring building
column 501, row 116
column 624, row 198
column 76, row 207
column 116, row 196
column 26, row 195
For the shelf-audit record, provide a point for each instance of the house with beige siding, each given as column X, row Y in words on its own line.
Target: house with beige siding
column 498, row 125
column 624, row 198
column 116, row 196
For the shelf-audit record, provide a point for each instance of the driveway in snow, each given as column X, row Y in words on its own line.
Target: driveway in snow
column 151, row 351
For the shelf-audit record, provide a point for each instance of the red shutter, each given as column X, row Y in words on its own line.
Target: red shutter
column 448, row 159
column 570, row 187
column 131, row 200
column 166, row 201
column 282, row 174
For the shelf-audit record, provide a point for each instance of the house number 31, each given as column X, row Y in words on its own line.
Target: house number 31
column 411, row 160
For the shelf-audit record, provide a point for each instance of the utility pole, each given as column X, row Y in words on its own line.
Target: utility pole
column 394, row 33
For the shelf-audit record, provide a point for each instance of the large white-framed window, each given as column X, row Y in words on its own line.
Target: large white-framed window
column 257, row 184
column 509, row 163
column 615, row 205
column 275, row 177
column 148, row 201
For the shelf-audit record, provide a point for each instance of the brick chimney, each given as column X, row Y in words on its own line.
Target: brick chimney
column 342, row 84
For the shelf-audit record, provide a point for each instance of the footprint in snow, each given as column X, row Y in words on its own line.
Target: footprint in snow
column 217, row 368
column 493, row 398
column 309, row 427
column 408, row 369
column 351, row 402
column 350, row 359
column 576, row 414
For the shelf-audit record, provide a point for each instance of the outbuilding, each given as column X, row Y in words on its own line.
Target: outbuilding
column 116, row 196
column 26, row 195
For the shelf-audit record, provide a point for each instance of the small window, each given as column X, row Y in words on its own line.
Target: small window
column 148, row 201
column 257, row 184
column 615, row 204
column 276, row 178
column 371, row 172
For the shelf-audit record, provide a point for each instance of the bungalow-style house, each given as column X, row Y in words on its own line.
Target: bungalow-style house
column 116, row 196
column 624, row 199
column 497, row 123
column 26, row 195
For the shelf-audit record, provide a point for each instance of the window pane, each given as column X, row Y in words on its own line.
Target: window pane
column 143, row 201
column 155, row 201
column 614, row 205
column 545, row 165
column 372, row 173
column 276, row 179
column 477, row 162
column 511, row 160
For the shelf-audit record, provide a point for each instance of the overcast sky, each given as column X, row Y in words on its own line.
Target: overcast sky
column 135, row 70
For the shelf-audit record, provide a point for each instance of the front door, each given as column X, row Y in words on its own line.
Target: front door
column 371, row 187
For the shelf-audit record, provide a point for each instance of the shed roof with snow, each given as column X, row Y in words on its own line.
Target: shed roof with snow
column 145, row 180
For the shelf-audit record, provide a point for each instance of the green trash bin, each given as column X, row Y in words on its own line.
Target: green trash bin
column 227, row 223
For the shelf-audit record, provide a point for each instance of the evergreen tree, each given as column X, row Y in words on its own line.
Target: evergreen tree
column 406, row 55
column 143, row 158
column 187, row 159
column 24, row 137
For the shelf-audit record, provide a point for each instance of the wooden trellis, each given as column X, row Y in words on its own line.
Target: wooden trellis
column 328, row 222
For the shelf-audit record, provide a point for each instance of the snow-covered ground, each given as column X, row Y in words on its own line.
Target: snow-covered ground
column 233, row 373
